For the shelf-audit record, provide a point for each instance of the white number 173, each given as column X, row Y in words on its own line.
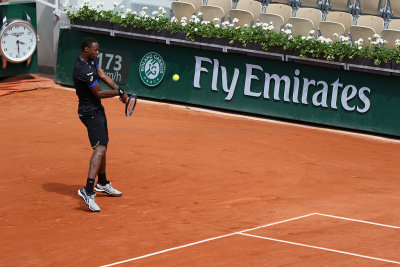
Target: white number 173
column 110, row 57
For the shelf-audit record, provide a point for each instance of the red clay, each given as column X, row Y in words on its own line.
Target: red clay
column 187, row 176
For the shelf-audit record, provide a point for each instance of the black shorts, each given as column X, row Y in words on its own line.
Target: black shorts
column 96, row 124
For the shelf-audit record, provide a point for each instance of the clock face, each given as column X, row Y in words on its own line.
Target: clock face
column 18, row 41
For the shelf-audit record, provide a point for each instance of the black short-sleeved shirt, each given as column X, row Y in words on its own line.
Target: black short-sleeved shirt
column 85, row 77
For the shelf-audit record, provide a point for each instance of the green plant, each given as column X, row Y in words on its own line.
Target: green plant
column 260, row 33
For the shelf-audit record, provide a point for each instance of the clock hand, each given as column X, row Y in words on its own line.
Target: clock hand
column 18, row 46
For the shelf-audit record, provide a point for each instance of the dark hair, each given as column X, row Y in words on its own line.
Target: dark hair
column 87, row 42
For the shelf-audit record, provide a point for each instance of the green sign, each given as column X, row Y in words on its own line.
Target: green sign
column 115, row 64
column 152, row 69
column 239, row 82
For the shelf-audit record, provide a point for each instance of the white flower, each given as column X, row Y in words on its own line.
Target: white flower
column 312, row 32
column 344, row 38
column 146, row 16
column 289, row 25
column 199, row 14
column 290, row 37
column 245, row 25
column 123, row 16
column 174, row 19
column 303, row 38
column 183, row 19
column 268, row 27
column 288, row 31
column 324, row 40
column 235, row 20
column 335, row 35
column 195, row 29
column 128, row 11
column 360, row 47
column 359, row 43
column 216, row 19
column 310, row 37
column 217, row 26
column 142, row 13
column 183, row 24
column 397, row 42
column 376, row 35
column 194, row 16
column 115, row 4
column 145, row 8
column 204, row 22
column 162, row 10
column 86, row 2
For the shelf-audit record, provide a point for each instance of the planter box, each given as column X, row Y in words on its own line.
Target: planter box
column 95, row 24
column 218, row 44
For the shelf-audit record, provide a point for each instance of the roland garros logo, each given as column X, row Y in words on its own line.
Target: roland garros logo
column 152, row 69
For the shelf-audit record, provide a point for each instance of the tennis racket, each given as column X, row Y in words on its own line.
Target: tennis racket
column 130, row 105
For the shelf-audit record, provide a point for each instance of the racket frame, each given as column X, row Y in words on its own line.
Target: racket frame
column 127, row 104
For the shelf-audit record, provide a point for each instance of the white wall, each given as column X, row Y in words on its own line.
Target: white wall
column 108, row 4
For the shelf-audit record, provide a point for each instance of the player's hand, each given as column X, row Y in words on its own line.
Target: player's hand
column 124, row 98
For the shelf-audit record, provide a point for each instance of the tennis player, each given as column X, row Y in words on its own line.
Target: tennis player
column 86, row 77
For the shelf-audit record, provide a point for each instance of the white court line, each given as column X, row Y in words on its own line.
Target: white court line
column 288, row 220
column 320, row 248
column 203, row 241
column 361, row 221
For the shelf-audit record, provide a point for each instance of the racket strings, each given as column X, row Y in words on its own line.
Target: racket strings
column 130, row 106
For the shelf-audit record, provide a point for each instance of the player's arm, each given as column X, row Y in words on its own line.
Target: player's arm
column 107, row 80
column 95, row 89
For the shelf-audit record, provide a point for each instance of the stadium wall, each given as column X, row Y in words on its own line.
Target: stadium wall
column 240, row 82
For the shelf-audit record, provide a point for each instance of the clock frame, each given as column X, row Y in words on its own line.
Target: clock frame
column 5, row 29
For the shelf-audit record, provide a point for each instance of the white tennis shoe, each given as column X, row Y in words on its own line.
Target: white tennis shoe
column 89, row 199
column 108, row 189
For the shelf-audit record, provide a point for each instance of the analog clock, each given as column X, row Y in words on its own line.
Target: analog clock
column 17, row 41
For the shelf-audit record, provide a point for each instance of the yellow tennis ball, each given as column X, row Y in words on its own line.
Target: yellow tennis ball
column 175, row 77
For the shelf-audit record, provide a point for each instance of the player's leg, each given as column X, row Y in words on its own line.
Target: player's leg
column 96, row 162
column 98, row 137
column 103, row 185
column 102, row 172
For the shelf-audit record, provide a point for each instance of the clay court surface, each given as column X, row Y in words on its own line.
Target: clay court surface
column 196, row 187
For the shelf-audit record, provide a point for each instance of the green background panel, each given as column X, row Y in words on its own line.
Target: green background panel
column 382, row 117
